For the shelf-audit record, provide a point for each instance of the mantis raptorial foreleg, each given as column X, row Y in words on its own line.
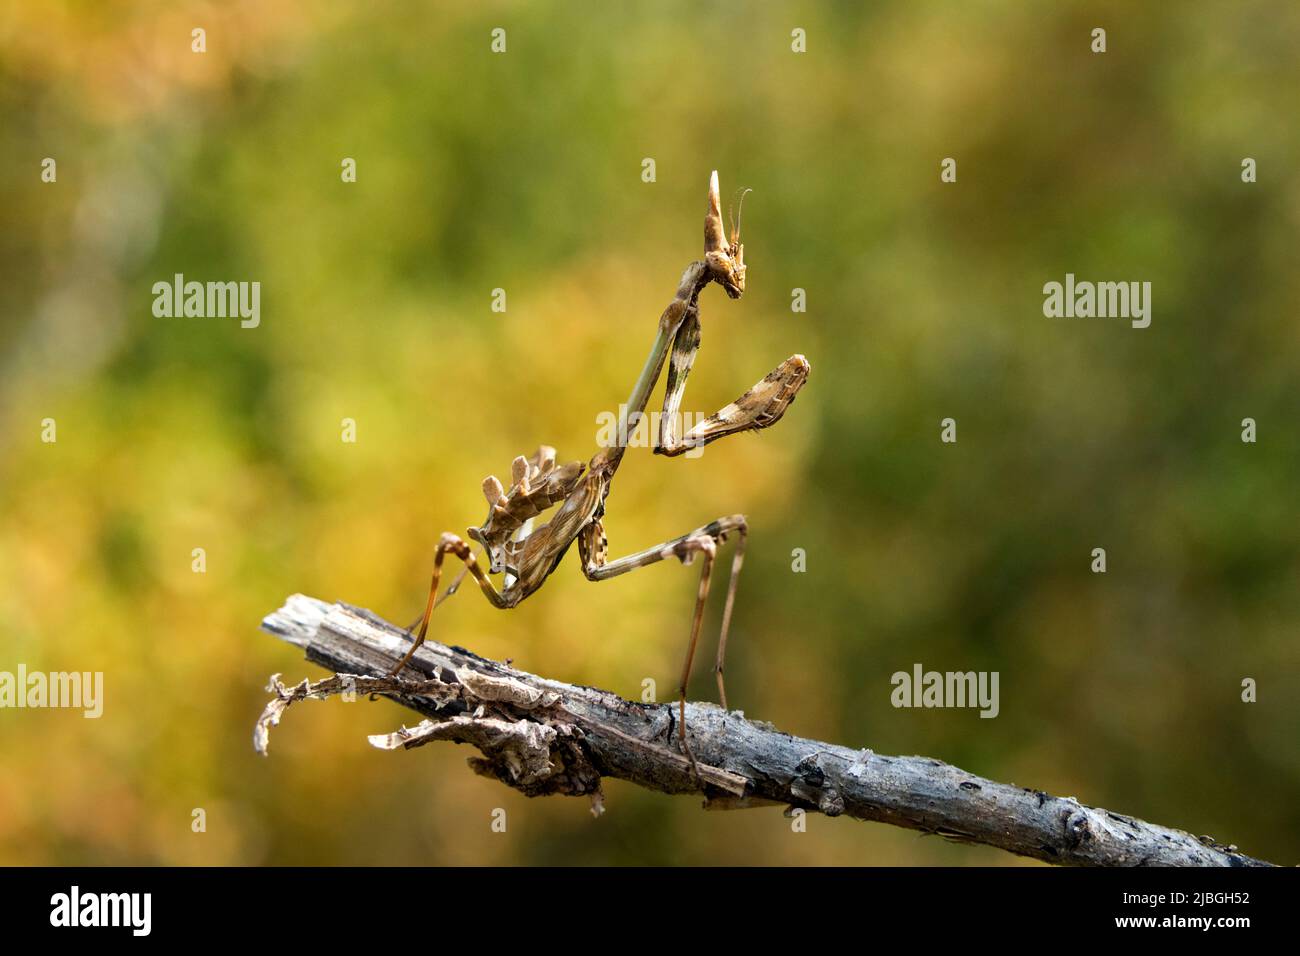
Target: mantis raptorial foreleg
column 761, row 406
column 592, row 545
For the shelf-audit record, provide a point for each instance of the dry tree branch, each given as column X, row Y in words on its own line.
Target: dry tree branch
column 546, row 737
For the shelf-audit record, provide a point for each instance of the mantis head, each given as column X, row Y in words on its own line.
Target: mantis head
column 725, row 256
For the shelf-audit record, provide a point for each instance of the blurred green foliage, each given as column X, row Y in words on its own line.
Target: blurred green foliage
column 522, row 171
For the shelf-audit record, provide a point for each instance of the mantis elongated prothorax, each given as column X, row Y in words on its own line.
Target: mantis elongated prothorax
column 526, row 554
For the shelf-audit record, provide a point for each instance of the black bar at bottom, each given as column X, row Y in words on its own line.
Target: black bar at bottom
column 377, row 907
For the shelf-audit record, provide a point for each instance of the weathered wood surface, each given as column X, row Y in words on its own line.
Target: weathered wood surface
column 543, row 737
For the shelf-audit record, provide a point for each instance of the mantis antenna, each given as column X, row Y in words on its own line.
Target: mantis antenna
column 740, row 207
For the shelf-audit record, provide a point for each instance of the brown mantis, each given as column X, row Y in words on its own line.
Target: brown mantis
column 527, row 555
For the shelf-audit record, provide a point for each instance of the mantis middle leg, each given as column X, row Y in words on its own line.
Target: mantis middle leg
column 592, row 546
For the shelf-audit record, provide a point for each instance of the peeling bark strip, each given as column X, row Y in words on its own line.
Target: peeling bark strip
column 546, row 737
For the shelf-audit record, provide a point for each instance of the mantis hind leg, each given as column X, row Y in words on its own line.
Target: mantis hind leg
column 703, row 541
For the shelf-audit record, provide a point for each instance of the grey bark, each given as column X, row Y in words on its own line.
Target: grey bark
column 542, row 737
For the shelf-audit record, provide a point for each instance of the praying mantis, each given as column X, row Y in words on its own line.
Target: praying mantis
column 527, row 555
